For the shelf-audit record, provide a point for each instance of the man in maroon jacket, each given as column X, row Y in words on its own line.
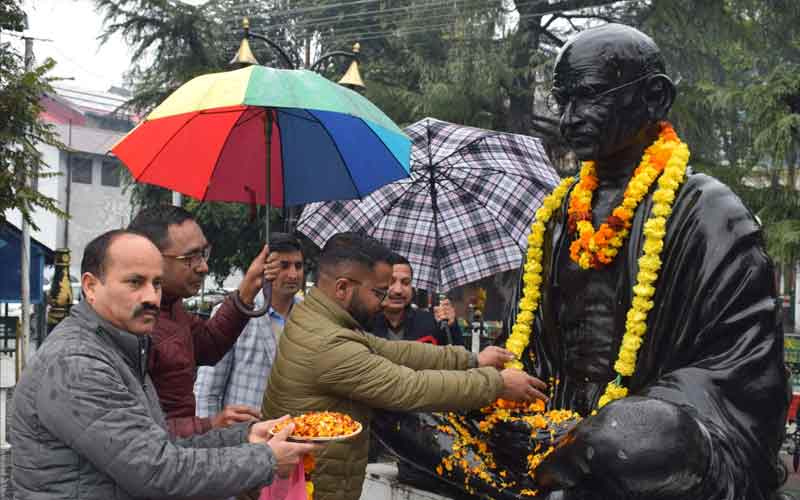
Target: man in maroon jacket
column 182, row 341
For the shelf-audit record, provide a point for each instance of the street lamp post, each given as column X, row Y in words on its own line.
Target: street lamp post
column 351, row 79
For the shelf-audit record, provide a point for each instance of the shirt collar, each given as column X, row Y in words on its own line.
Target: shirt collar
column 134, row 348
column 272, row 313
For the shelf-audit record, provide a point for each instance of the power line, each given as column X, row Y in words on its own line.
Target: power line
column 364, row 33
column 91, row 94
column 399, row 32
column 420, row 10
column 334, row 19
column 303, row 10
column 387, row 15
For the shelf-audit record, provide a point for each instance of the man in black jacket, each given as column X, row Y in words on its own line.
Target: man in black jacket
column 400, row 321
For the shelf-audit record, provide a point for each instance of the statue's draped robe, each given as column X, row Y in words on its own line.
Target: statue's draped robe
column 713, row 344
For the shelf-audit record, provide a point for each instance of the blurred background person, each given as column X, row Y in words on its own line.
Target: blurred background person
column 240, row 378
column 399, row 320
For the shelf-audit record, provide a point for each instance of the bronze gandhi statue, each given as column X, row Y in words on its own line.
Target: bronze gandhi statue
column 695, row 375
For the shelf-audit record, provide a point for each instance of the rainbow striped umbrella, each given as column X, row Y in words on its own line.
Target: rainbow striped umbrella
column 238, row 135
column 218, row 135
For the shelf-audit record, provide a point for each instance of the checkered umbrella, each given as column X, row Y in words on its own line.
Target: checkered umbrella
column 463, row 214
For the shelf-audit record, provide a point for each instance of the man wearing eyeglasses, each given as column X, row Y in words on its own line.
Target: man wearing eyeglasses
column 184, row 341
column 327, row 361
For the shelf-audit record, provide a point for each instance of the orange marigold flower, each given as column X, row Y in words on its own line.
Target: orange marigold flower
column 320, row 424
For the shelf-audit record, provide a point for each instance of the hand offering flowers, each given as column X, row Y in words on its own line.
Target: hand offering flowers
column 325, row 424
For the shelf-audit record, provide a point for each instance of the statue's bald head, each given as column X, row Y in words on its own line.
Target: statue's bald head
column 615, row 51
column 610, row 91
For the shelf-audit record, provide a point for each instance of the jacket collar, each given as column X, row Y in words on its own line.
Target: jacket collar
column 408, row 317
column 169, row 301
column 134, row 348
column 321, row 303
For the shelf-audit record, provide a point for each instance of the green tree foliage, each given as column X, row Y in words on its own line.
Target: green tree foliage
column 20, row 129
column 739, row 104
column 487, row 63
column 172, row 43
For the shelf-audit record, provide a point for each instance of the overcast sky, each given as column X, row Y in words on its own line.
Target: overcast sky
column 73, row 26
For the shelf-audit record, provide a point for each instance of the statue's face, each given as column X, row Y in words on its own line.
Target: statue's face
column 600, row 112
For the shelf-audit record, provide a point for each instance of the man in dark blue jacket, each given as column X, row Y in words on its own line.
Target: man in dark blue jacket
column 400, row 321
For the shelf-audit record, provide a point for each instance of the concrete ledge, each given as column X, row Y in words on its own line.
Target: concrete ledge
column 381, row 484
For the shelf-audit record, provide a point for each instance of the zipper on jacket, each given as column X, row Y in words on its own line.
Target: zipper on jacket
column 144, row 348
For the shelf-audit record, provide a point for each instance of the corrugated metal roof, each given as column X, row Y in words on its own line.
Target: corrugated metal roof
column 92, row 101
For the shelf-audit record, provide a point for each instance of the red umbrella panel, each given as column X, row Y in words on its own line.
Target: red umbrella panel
column 198, row 144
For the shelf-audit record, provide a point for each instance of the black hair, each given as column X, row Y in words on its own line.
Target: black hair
column 396, row 260
column 284, row 243
column 154, row 222
column 352, row 247
column 95, row 255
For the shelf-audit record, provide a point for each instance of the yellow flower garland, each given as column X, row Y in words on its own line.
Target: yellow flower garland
column 532, row 277
column 674, row 173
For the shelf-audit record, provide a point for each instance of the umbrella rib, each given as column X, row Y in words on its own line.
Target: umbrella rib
column 385, row 212
column 251, row 117
column 395, row 161
column 258, row 111
column 341, row 156
column 288, row 111
column 522, row 174
column 467, row 145
column 469, row 193
column 164, row 146
column 283, row 171
column 496, row 171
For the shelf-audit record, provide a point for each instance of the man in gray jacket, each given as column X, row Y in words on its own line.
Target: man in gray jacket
column 87, row 423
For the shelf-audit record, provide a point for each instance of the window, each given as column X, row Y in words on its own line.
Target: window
column 110, row 173
column 81, row 169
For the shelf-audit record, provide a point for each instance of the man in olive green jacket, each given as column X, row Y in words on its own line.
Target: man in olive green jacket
column 326, row 361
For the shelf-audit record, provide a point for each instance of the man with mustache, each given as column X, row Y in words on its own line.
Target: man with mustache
column 327, row 361
column 240, row 378
column 399, row 321
column 184, row 341
column 87, row 423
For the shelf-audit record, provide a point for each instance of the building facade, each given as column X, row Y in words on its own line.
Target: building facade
column 90, row 184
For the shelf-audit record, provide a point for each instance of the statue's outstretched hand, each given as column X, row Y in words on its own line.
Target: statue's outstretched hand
column 636, row 447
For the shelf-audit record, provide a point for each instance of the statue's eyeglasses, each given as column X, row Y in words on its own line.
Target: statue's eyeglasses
column 193, row 259
column 558, row 98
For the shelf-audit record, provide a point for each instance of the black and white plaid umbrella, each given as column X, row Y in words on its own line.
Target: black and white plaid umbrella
column 463, row 214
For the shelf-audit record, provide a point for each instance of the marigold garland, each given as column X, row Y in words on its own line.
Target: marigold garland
column 532, row 278
column 308, row 466
column 595, row 249
column 670, row 151
column 665, row 160
column 470, row 453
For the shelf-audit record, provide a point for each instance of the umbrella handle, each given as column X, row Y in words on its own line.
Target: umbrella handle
column 266, row 291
